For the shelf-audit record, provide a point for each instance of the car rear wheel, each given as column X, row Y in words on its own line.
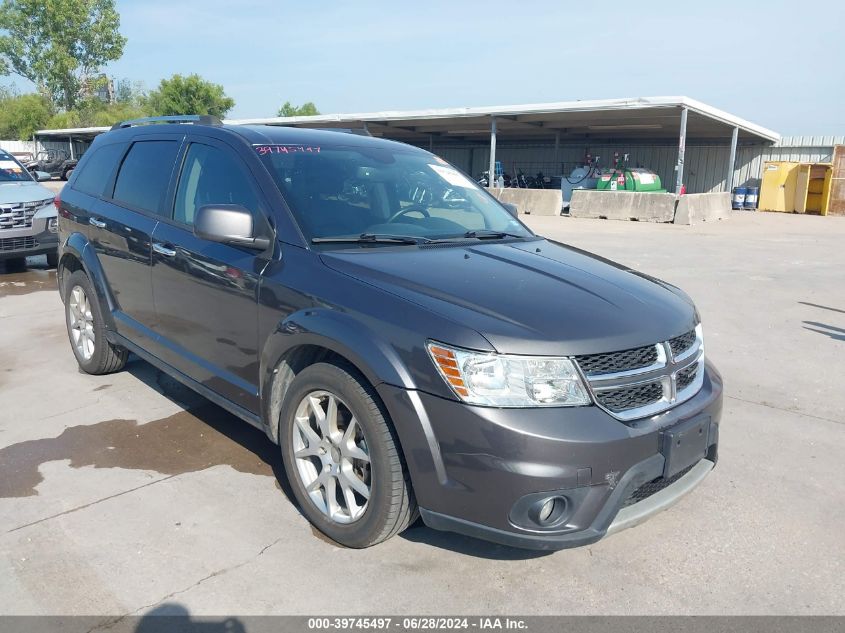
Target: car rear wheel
column 86, row 331
column 342, row 457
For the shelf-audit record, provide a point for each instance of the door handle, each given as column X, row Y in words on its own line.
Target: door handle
column 98, row 223
column 161, row 249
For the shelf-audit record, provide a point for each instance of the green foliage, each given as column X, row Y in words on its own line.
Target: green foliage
column 117, row 112
column 130, row 93
column 63, row 120
column 22, row 115
column 59, row 45
column 188, row 95
column 306, row 109
column 94, row 113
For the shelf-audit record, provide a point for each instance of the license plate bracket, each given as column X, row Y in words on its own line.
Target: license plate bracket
column 684, row 444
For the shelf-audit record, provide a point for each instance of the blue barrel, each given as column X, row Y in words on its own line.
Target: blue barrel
column 751, row 195
column 738, row 199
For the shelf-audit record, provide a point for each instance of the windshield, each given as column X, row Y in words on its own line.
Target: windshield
column 11, row 170
column 351, row 191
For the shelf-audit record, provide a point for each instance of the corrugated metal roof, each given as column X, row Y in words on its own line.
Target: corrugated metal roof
column 532, row 113
column 602, row 105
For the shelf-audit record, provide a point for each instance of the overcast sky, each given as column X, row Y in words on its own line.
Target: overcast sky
column 778, row 64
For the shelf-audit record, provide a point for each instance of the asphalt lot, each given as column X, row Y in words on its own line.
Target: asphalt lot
column 124, row 493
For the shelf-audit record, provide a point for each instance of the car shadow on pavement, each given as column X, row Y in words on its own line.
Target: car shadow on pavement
column 19, row 265
column 467, row 545
column 236, row 435
column 241, row 434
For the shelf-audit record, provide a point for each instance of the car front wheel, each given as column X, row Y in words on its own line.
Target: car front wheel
column 342, row 457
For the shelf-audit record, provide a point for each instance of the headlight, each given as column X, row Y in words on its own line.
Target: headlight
column 500, row 380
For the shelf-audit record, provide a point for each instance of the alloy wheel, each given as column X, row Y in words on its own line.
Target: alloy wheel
column 81, row 323
column 331, row 457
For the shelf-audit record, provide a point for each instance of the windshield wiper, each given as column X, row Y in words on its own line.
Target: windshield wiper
column 371, row 238
column 481, row 234
column 486, row 234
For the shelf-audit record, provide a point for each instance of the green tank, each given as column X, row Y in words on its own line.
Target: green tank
column 630, row 179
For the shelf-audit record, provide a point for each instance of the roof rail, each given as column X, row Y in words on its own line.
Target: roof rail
column 200, row 119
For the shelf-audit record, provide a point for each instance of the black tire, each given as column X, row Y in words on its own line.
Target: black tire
column 52, row 260
column 106, row 358
column 391, row 507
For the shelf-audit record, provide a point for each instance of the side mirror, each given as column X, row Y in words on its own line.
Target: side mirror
column 511, row 208
column 41, row 176
column 228, row 224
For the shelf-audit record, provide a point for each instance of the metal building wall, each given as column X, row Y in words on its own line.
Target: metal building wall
column 801, row 149
column 17, row 146
column 704, row 170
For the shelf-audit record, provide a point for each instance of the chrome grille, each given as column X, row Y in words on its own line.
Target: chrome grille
column 686, row 377
column 612, row 362
column 17, row 243
column 19, row 216
column 632, row 397
column 644, row 381
column 682, row 343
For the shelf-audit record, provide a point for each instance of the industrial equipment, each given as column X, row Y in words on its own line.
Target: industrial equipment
column 624, row 178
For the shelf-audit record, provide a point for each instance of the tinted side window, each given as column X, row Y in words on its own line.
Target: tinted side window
column 212, row 176
column 145, row 173
column 98, row 169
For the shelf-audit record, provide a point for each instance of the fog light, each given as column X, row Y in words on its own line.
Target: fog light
column 546, row 510
column 53, row 225
column 551, row 511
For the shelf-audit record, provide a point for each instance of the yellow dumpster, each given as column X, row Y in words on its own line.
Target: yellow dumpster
column 792, row 187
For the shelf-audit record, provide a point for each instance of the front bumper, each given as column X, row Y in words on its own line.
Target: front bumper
column 37, row 240
column 477, row 470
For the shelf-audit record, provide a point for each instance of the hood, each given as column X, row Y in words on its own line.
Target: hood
column 534, row 297
column 15, row 192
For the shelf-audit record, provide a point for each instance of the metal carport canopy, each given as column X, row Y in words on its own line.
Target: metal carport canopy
column 646, row 118
column 78, row 134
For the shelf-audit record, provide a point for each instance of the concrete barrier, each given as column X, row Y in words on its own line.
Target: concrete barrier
column 531, row 201
column 623, row 205
column 703, row 207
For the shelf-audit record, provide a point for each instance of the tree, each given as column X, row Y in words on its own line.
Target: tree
column 95, row 113
column 22, row 115
column 189, row 95
column 59, row 45
column 306, row 109
column 129, row 92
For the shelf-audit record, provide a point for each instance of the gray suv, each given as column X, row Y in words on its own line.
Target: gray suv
column 28, row 224
column 412, row 348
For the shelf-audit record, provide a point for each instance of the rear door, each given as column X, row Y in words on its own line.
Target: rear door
column 205, row 292
column 121, row 227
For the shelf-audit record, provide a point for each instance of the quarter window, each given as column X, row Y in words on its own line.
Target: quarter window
column 98, row 169
column 212, row 176
column 145, row 174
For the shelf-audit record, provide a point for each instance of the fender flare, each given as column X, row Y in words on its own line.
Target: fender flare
column 78, row 246
column 337, row 332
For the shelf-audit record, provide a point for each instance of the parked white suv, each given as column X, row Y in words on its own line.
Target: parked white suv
column 27, row 214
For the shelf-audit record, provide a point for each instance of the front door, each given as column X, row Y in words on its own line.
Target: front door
column 121, row 227
column 206, row 293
